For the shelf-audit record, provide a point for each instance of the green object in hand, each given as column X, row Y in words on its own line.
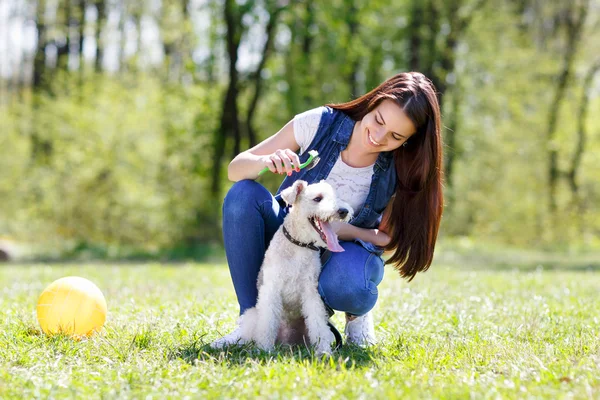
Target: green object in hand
column 313, row 159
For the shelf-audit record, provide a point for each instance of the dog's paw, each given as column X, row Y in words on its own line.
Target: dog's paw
column 321, row 351
column 326, row 338
column 324, row 343
column 265, row 345
column 234, row 338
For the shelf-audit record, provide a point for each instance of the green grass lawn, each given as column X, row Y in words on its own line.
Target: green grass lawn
column 471, row 331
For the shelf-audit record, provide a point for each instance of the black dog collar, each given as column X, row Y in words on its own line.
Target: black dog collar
column 297, row 243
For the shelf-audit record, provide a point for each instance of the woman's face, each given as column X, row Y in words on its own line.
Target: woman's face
column 385, row 128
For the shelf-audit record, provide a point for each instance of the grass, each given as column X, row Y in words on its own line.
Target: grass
column 458, row 331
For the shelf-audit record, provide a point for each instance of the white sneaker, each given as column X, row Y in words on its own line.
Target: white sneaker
column 234, row 337
column 360, row 330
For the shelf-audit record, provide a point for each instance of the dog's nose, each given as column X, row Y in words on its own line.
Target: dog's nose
column 342, row 212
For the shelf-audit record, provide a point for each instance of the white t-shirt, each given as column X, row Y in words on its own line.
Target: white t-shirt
column 350, row 184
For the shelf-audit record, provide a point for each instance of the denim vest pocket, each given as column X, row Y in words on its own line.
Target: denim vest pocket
column 370, row 247
column 368, row 218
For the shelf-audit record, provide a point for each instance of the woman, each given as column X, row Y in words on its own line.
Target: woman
column 382, row 153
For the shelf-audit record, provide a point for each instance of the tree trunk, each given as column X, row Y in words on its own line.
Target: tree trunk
column 414, row 38
column 433, row 23
column 80, row 18
column 575, row 21
column 64, row 48
column 81, row 29
column 305, row 56
column 353, row 26
column 450, row 140
column 291, row 62
column 373, row 77
column 257, row 76
column 100, row 24
column 229, row 123
column 581, row 130
column 40, row 148
column 213, row 43
column 447, row 63
column 39, row 61
column 123, row 15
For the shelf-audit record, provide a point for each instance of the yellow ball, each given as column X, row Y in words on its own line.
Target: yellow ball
column 72, row 306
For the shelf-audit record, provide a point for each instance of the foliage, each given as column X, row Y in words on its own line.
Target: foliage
column 128, row 165
column 122, row 156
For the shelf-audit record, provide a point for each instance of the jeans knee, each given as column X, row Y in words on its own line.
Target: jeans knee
column 354, row 299
column 363, row 301
column 374, row 268
column 349, row 280
column 240, row 197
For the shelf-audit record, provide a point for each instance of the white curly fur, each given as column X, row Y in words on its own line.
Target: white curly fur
column 289, row 275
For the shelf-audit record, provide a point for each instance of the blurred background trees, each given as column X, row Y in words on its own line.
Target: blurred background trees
column 118, row 117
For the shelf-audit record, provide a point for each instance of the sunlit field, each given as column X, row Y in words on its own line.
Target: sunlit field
column 472, row 330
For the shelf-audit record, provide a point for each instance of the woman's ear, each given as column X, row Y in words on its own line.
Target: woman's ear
column 290, row 194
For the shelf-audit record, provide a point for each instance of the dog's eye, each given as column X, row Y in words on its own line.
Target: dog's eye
column 318, row 198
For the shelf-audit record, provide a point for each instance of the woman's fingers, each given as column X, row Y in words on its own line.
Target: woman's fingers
column 287, row 162
column 283, row 161
column 272, row 162
column 295, row 160
column 276, row 164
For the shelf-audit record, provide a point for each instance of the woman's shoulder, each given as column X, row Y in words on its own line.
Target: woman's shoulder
column 314, row 113
column 306, row 126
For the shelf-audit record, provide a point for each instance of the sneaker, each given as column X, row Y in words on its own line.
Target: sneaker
column 360, row 330
column 234, row 337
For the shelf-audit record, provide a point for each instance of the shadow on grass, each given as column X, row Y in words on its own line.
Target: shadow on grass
column 346, row 357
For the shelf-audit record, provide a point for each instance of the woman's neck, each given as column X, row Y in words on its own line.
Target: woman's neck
column 354, row 154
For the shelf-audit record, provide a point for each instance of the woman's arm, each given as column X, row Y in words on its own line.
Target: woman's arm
column 351, row 232
column 346, row 231
column 271, row 152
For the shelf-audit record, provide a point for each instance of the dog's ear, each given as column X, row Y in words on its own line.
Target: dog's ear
column 290, row 194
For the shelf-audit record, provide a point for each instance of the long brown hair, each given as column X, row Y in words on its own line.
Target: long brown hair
column 417, row 204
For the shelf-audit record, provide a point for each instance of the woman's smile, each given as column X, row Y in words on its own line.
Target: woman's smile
column 372, row 141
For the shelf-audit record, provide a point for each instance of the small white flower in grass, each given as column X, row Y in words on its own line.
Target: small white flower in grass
column 509, row 384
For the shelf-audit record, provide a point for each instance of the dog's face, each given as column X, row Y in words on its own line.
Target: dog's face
column 313, row 208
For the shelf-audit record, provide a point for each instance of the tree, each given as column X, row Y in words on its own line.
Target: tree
column 39, row 61
column 575, row 163
column 100, row 24
column 274, row 9
column 573, row 16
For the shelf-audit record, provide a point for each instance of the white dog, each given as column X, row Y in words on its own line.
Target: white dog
column 288, row 279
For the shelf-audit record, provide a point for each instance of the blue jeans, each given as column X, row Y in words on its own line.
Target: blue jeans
column 251, row 216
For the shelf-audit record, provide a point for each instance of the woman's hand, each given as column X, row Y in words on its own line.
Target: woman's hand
column 340, row 229
column 346, row 231
column 282, row 161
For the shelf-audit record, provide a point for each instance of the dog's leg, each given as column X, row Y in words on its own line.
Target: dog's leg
column 248, row 324
column 269, row 308
column 315, row 315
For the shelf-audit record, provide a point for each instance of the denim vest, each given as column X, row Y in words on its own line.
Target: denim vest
column 333, row 136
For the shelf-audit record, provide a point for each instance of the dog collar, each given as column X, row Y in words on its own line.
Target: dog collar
column 297, row 243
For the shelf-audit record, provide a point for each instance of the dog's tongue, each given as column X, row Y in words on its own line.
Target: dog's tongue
column 332, row 239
